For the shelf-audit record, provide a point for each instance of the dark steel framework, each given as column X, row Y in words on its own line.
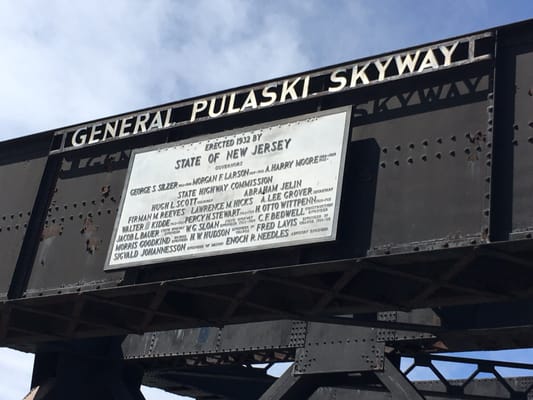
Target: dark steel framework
column 433, row 253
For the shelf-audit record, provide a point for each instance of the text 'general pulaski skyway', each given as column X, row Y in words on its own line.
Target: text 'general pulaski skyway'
column 265, row 187
column 347, row 77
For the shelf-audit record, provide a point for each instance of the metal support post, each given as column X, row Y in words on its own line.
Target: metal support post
column 86, row 370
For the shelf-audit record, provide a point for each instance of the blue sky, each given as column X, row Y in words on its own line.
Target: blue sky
column 68, row 61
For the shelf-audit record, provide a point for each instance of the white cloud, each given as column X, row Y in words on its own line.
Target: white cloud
column 65, row 62
column 82, row 60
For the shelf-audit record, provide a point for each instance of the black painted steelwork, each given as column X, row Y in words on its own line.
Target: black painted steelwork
column 194, row 371
column 433, row 251
column 417, row 215
column 86, row 370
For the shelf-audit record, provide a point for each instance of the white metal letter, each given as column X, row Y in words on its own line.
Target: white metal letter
column 448, row 52
column 429, row 61
column 359, row 75
column 267, row 94
column 76, row 135
column 407, row 62
column 140, row 123
column 289, row 90
column 250, row 102
column 197, row 107
column 340, row 81
column 212, row 103
column 382, row 68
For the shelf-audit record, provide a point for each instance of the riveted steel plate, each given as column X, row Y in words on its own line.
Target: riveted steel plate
column 517, row 127
column 271, row 335
column 262, row 336
column 185, row 342
column 339, row 348
column 78, row 225
column 21, row 170
column 431, row 176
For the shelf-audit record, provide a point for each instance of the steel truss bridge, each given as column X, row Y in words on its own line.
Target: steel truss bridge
column 434, row 250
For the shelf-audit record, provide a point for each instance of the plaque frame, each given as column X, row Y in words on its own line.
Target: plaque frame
column 259, row 247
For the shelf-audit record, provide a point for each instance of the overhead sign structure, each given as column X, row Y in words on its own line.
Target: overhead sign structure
column 266, row 186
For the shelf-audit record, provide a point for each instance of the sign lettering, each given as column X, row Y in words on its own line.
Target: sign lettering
column 328, row 81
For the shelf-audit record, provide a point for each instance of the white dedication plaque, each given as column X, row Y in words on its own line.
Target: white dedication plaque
column 261, row 187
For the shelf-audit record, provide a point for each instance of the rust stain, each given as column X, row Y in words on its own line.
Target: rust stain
column 477, row 138
column 105, row 190
column 51, row 231
column 88, row 226
column 92, row 244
